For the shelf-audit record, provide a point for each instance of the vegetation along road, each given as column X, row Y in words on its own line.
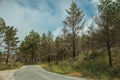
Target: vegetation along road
column 37, row 73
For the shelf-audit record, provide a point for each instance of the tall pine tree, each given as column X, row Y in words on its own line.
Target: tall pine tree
column 11, row 41
column 74, row 24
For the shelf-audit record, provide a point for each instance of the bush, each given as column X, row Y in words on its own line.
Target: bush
column 45, row 66
column 92, row 67
column 114, row 71
column 63, row 67
column 16, row 65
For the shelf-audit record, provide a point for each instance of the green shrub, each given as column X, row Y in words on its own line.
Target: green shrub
column 92, row 68
column 63, row 67
column 16, row 65
column 114, row 71
column 45, row 66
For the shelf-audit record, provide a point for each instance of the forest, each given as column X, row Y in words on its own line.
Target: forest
column 94, row 53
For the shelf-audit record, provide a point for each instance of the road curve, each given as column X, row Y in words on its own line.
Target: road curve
column 35, row 72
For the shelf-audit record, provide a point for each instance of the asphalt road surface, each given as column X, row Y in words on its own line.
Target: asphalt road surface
column 35, row 72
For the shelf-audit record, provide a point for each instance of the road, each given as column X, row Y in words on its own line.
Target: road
column 35, row 72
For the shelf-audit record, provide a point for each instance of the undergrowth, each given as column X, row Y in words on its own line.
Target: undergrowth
column 15, row 65
column 93, row 66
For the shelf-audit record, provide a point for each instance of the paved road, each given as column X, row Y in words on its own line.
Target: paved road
column 35, row 72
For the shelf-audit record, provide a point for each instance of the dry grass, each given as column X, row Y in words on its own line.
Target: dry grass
column 75, row 74
column 10, row 66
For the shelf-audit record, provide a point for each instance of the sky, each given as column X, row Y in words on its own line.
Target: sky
column 42, row 15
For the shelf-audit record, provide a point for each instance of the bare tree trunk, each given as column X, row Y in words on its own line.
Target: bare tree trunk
column 64, row 54
column 32, row 58
column 7, row 59
column 49, row 58
column 74, row 47
column 108, row 45
column 49, row 53
column 109, row 53
column 58, row 57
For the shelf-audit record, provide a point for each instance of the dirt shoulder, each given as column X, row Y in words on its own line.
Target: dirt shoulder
column 7, row 74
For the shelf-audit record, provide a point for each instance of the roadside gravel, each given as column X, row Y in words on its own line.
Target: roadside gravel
column 7, row 74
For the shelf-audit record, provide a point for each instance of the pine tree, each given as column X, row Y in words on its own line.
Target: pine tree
column 106, row 21
column 74, row 24
column 30, row 47
column 50, row 42
column 2, row 30
column 11, row 41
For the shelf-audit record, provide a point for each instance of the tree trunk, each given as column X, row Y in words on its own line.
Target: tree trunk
column 7, row 59
column 73, row 47
column 108, row 44
column 64, row 53
column 58, row 57
column 32, row 58
column 109, row 53
column 49, row 58
column 49, row 55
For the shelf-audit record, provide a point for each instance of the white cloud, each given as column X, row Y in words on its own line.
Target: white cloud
column 42, row 18
column 95, row 2
column 26, row 18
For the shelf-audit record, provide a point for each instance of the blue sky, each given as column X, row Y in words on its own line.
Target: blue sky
column 42, row 15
